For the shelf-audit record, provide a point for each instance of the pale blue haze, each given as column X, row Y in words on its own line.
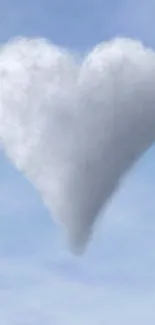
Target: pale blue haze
column 114, row 281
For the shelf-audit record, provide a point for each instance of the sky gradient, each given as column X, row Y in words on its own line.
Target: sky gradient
column 114, row 281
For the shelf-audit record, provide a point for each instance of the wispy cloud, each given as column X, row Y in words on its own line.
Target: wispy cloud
column 34, row 295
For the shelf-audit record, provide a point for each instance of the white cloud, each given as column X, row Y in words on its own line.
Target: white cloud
column 75, row 130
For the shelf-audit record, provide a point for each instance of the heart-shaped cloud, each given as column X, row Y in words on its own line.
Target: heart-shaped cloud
column 75, row 129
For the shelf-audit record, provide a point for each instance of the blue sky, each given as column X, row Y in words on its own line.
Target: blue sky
column 114, row 281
